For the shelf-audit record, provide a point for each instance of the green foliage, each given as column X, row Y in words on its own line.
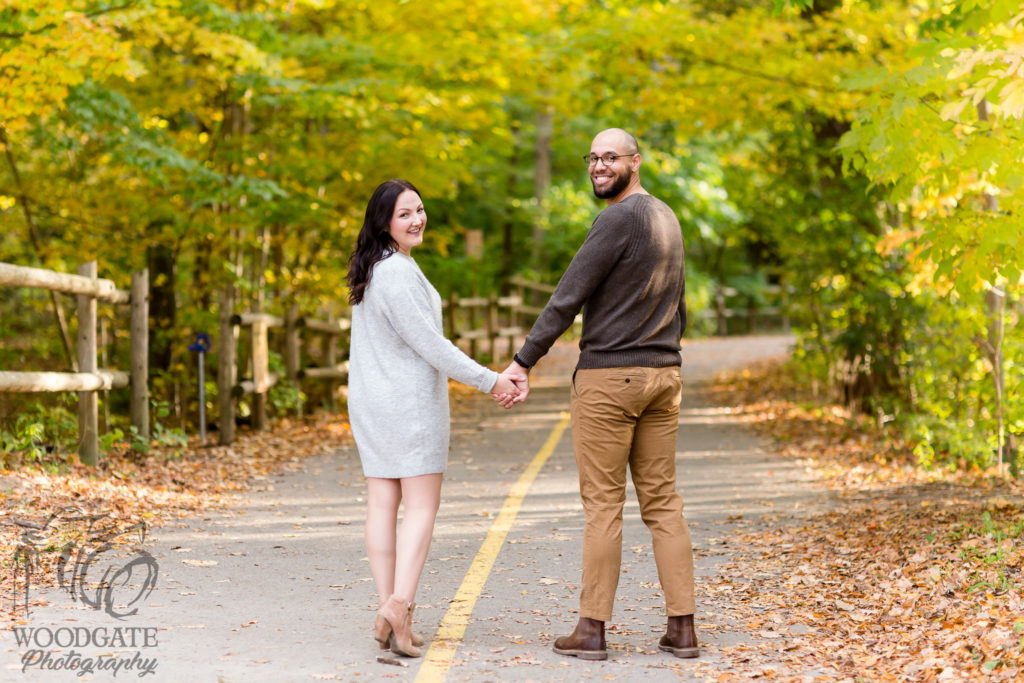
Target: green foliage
column 285, row 397
column 162, row 435
column 949, row 383
column 565, row 217
column 26, row 438
column 108, row 440
column 40, row 434
column 862, row 155
column 779, row 5
column 136, row 442
column 700, row 303
column 940, row 129
column 992, row 552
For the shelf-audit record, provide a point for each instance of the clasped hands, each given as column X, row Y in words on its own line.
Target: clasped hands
column 512, row 387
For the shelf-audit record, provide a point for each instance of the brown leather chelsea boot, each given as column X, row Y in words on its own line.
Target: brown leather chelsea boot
column 586, row 642
column 680, row 638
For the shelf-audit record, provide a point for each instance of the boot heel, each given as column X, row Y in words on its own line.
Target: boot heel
column 397, row 612
column 381, row 631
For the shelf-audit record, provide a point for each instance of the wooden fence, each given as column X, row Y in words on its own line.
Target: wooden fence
column 482, row 321
column 89, row 379
column 259, row 378
column 481, row 325
column 749, row 313
column 476, row 322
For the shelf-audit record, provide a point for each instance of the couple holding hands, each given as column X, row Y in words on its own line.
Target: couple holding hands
column 628, row 279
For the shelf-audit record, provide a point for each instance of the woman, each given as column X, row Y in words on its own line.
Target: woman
column 400, row 363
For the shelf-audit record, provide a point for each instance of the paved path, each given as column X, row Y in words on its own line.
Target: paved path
column 279, row 589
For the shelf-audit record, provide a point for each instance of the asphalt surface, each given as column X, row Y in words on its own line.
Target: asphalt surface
column 279, row 589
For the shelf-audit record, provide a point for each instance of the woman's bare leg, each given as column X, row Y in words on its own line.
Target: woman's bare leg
column 421, row 498
column 382, row 499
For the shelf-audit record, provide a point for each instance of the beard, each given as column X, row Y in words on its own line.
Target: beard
column 618, row 184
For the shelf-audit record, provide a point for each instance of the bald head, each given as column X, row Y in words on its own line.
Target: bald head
column 619, row 139
column 614, row 165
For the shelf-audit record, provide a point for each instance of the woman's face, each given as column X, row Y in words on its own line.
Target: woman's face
column 408, row 222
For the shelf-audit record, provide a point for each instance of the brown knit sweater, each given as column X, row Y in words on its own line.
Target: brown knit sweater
column 628, row 278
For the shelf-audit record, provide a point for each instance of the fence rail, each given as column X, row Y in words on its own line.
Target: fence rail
column 753, row 311
column 33, row 382
column 483, row 320
column 89, row 379
column 533, row 296
column 65, row 283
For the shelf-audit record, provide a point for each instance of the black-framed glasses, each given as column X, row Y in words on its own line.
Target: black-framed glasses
column 606, row 159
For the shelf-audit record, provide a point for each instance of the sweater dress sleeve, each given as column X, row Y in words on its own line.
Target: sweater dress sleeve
column 405, row 305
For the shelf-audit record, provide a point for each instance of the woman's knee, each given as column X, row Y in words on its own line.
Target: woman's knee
column 422, row 493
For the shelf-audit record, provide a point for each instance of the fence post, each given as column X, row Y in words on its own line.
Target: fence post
column 474, row 347
column 292, row 350
column 260, row 373
column 139, row 370
column 88, row 415
column 291, row 344
column 723, row 329
column 513, row 318
column 518, row 316
column 332, row 361
column 453, row 302
column 226, row 371
column 492, row 325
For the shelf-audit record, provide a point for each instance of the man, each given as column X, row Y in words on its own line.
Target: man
column 628, row 279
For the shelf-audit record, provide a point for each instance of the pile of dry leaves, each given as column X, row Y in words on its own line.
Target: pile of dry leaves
column 909, row 576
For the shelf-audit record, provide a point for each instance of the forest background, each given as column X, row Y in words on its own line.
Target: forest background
column 863, row 155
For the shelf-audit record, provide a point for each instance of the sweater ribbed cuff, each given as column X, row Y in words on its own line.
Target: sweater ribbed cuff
column 529, row 354
column 487, row 384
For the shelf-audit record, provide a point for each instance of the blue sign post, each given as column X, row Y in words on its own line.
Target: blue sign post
column 201, row 346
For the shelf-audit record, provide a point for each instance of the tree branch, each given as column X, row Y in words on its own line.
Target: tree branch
column 746, row 71
column 53, row 25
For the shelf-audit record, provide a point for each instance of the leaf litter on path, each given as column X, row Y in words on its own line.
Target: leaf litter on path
column 910, row 575
column 162, row 485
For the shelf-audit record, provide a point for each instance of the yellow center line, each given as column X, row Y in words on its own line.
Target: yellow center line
column 438, row 659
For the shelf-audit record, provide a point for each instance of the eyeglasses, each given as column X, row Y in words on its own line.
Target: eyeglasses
column 606, row 159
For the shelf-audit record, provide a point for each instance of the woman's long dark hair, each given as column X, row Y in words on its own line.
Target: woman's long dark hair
column 374, row 239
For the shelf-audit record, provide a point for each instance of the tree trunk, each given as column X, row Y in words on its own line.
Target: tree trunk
column 995, row 304
column 541, row 171
column 508, row 256
column 163, row 305
column 202, row 285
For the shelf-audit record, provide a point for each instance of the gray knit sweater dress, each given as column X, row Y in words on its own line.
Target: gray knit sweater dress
column 399, row 365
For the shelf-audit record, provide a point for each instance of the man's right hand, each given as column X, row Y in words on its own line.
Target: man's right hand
column 522, row 382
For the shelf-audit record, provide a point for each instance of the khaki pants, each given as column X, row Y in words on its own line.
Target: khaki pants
column 630, row 416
